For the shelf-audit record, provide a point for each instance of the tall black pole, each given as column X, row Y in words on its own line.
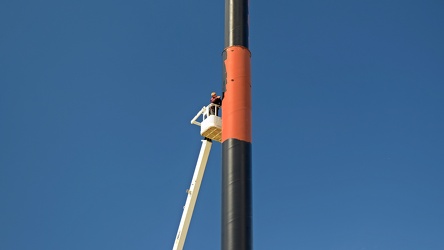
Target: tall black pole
column 236, row 130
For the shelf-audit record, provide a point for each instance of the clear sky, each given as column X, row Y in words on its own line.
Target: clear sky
column 97, row 149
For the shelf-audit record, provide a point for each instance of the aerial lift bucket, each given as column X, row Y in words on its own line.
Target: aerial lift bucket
column 211, row 125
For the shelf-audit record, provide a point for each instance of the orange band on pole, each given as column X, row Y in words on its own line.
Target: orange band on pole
column 236, row 114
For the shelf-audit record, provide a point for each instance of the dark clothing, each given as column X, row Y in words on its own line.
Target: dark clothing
column 215, row 100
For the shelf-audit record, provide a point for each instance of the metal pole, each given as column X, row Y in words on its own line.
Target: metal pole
column 236, row 130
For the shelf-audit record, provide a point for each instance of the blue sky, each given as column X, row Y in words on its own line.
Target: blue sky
column 96, row 149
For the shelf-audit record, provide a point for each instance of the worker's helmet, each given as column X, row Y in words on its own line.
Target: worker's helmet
column 213, row 93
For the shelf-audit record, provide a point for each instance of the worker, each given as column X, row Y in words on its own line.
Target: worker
column 215, row 99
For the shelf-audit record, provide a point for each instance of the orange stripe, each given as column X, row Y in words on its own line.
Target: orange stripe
column 236, row 106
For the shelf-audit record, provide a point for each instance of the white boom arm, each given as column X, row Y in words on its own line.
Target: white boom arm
column 193, row 192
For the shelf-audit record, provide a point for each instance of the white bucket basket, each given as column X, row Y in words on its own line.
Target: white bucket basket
column 211, row 125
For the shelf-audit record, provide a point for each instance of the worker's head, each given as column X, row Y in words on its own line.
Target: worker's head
column 213, row 94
